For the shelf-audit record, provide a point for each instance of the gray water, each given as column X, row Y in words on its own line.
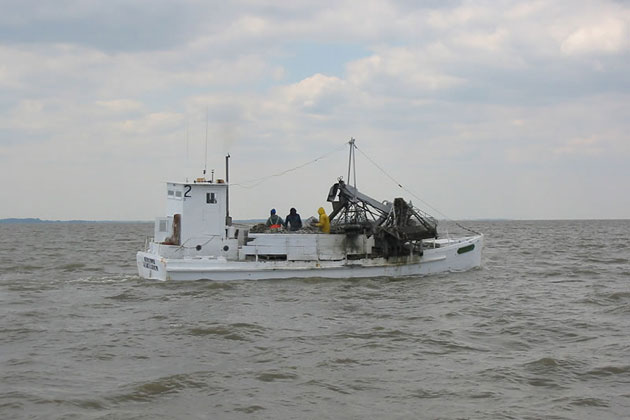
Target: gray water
column 540, row 331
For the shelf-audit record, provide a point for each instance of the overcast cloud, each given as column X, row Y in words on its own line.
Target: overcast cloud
column 484, row 109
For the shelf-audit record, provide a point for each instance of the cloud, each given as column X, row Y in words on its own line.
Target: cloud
column 586, row 146
column 402, row 69
column 461, row 101
column 157, row 122
column 315, row 92
column 610, row 35
column 117, row 106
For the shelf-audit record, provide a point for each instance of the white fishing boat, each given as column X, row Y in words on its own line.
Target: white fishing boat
column 368, row 238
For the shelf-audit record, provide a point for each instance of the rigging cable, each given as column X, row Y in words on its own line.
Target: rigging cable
column 254, row 183
column 412, row 193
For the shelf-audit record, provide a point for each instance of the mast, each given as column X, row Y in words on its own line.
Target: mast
column 352, row 163
column 351, row 144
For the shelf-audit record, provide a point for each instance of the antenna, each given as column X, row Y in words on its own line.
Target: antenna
column 205, row 163
column 187, row 154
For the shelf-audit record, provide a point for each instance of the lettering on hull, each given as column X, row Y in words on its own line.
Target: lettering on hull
column 150, row 264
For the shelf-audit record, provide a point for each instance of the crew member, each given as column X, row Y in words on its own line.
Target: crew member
column 293, row 221
column 324, row 222
column 274, row 222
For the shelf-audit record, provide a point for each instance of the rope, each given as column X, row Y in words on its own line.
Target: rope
column 253, row 183
column 412, row 193
column 183, row 246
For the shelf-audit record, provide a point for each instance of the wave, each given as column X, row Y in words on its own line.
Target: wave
column 149, row 390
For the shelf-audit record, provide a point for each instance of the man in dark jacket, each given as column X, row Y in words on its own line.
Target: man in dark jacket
column 293, row 221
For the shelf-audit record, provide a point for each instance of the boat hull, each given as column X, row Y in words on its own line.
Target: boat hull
column 447, row 256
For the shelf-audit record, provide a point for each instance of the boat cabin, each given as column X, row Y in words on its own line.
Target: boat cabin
column 196, row 218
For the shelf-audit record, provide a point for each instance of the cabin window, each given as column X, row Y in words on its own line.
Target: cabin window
column 170, row 193
column 211, row 198
column 178, row 194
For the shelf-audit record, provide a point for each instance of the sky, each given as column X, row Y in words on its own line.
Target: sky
column 478, row 109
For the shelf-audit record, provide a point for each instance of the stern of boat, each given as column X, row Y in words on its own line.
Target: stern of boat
column 151, row 266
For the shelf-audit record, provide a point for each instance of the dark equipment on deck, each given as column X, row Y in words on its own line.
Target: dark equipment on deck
column 398, row 227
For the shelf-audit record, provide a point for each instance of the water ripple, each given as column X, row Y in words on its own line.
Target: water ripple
column 540, row 331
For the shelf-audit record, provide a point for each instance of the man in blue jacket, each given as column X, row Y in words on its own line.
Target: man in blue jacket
column 274, row 222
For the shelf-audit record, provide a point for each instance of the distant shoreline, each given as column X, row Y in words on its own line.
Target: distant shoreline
column 37, row 220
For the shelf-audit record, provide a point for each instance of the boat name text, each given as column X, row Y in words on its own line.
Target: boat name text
column 150, row 264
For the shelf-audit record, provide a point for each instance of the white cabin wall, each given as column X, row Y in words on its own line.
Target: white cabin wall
column 174, row 198
column 163, row 228
column 202, row 219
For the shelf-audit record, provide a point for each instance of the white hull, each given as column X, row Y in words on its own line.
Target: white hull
column 443, row 258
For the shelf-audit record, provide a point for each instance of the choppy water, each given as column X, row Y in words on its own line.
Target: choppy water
column 541, row 331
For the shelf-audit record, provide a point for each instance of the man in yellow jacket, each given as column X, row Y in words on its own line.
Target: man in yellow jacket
column 324, row 222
